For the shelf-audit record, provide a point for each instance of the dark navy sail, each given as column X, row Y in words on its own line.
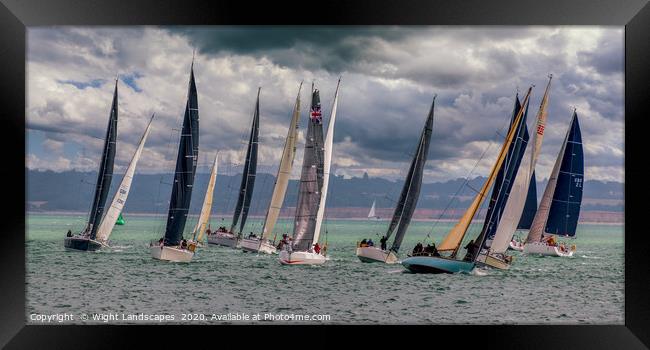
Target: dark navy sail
column 105, row 174
column 411, row 191
column 311, row 179
column 505, row 176
column 565, row 207
column 250, row 169
column 530, row 208
column 188, row 151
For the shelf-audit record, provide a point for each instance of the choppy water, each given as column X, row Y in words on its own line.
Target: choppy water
column 588, row 288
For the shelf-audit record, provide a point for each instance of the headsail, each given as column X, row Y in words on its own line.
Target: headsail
column 515, row 203
column 371, row 213
column 284, row 171
column 452, row 241
column 311, row 178
column 327, row 163
column 559, row 208
column 206, row 209
column 250, row 170
column 188, row 152
column 114, row 212
column 411, row 190
column 105, row 173
column 531, row 206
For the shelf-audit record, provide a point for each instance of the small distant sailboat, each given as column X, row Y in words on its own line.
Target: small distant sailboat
column 371, row 213
column 559, row 208
column 437, row 263
column 304, row 248
column 87, row 239
column 120, row 220
column 204, row 218
column 512, row 201
column 264, row 244
column 406, row 204
column 227, row 237
column 172, row 246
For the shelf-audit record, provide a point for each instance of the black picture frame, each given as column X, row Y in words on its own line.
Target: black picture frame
column 15, row 15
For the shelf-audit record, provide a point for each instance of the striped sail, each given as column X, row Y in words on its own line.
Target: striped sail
column 452, row 240
column 206, row 208
column 105, row 173
column 559, row 208
column 411, row 190
column 117, row 204
column 517, row 198
column 311, row 179
column 327, row 163
column 188, row 152
column 284, row 171
column 250, row 170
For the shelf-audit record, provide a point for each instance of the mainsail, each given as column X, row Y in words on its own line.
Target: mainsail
column 188, row 152
column 560, row 205
column 411, row 190
column 250, row 169
column 204, row 217
column 114, row 212
column 531, row 206
column 327, row 163
column 311, row 178
column 515, row 203
column 452, row 241
column 105, row 173
column 284, row 171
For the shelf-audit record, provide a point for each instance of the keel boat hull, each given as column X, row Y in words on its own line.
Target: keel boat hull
column 547, row 250
column 171, row 253
column 374, row 254
column 301, row 258
column 223, row 239
column 433, row 264
column 257, row 246
column 82, row 244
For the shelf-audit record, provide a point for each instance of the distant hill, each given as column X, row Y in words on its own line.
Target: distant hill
column 72, row 191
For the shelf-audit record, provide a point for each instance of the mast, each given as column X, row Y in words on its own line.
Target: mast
column 250, row 170
column 411, row 189
column 188, row 152
column 206, row 208
column 117, row 204
column 559, row 208
column 452, row 241
column 311, row 178
column 327, row 163
column 105, row 173
column 284, row 171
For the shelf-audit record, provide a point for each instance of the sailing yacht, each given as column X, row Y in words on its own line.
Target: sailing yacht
column 206, row 208
column 511, row 199
column 559, row 208
column 303, row 248
column 87, row 239
column 371, row 213
column 447, row 263
column 406, row 204
column 227, row 237
column 172, row 246
column 264, row 244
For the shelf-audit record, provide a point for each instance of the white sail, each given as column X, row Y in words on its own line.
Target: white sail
column 108, row 222
column 206, row 209
column 371, row 214
column 284, row 171
column 327, row 162
column 517, row 198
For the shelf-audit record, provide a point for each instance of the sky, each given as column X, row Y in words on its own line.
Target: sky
column 389, row 76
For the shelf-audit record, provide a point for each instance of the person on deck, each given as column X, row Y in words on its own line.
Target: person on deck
column 382, row 241
column 317, row 248
column 418, row 249
column 371, row 243
column 69, row 234
column 434, row 250
column 471, row 249
column 364, row 243
column 208, row 232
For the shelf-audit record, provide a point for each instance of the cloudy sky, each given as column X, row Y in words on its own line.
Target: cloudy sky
column 389, row 76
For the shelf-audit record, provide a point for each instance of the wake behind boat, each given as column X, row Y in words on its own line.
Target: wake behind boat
column 405, row 206
column 172, row 246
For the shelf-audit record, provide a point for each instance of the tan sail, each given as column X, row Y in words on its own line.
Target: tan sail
column 204, row 218
column 284, row 171
column 452, row 241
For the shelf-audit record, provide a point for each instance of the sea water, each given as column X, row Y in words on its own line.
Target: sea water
column 222, row 285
